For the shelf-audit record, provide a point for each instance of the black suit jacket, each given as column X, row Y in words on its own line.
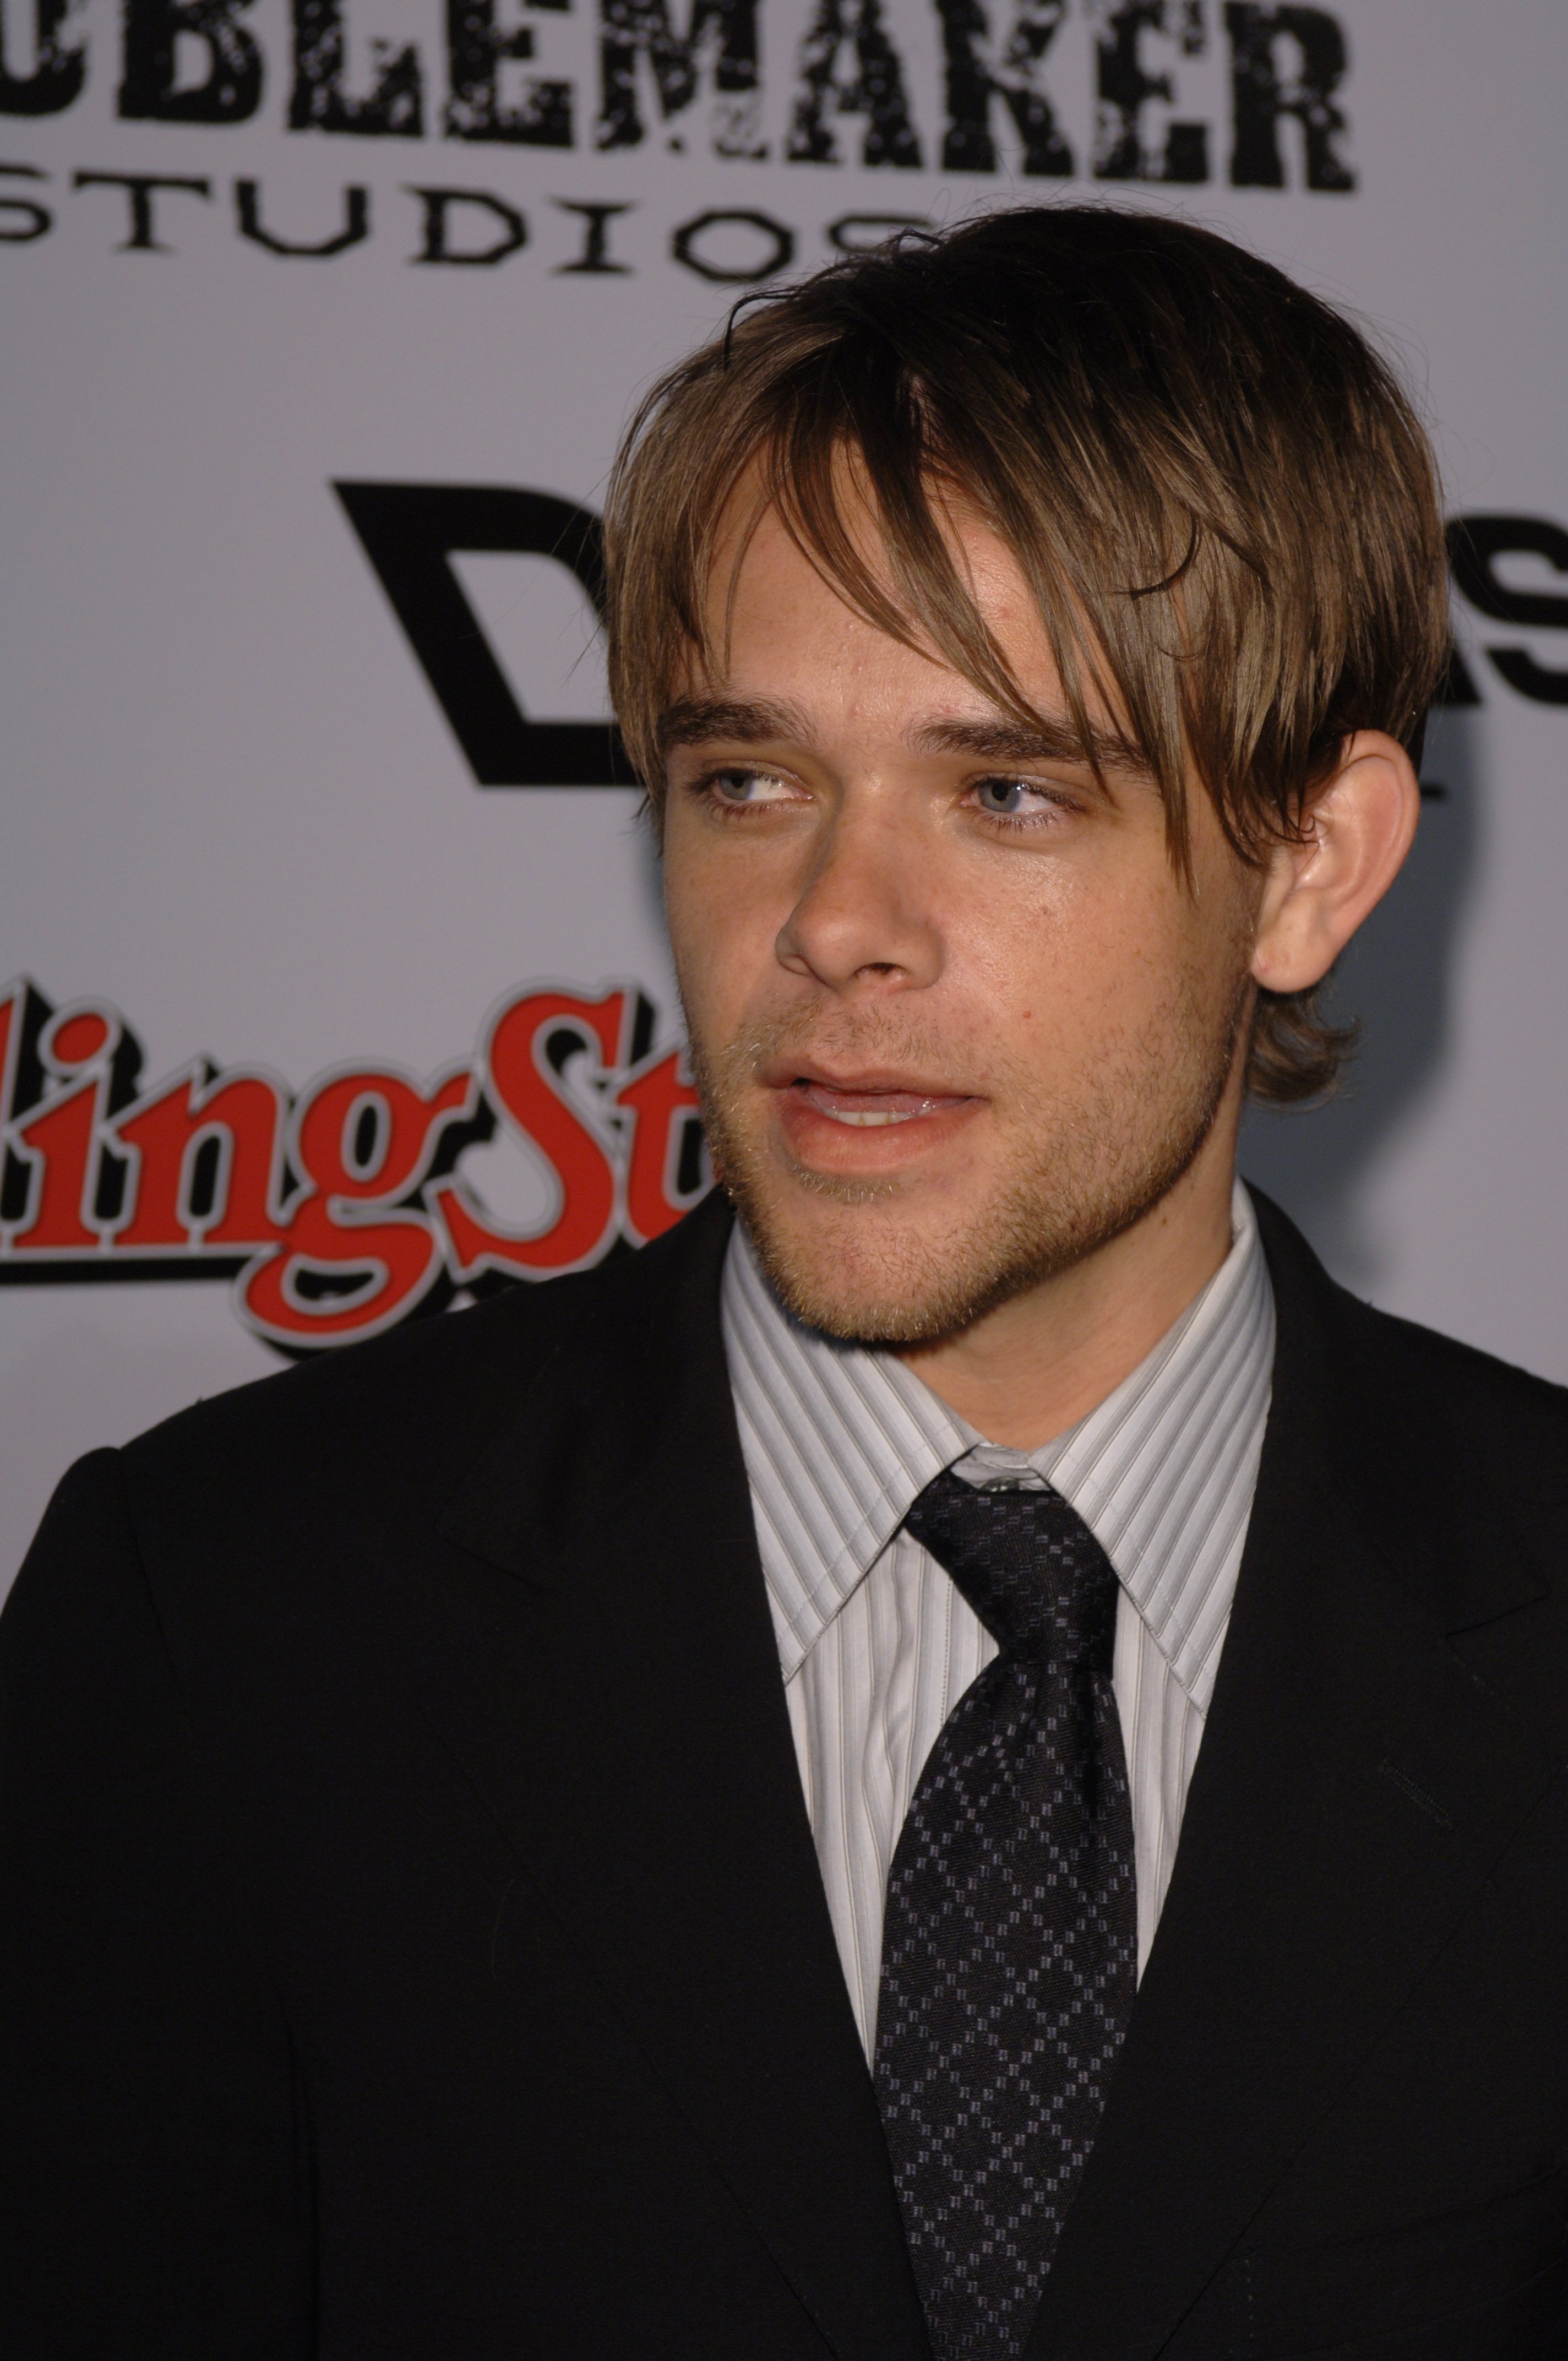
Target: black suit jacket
column 413, row 1947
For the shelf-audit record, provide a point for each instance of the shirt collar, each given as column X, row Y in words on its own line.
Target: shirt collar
column 840, row 1441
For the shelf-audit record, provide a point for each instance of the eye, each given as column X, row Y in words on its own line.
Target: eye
column 1016, row 799
column 738, row 789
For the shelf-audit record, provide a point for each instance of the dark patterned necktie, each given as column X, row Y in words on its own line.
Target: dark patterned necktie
column 1010, row 1947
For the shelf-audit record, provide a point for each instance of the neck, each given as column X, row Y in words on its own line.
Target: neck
column 1038, row 1363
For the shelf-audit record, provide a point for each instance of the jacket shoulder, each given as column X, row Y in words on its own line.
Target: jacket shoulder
column 403, row 1416
column 446, row 1364
column 1408, row 1388
column 1510, row 1420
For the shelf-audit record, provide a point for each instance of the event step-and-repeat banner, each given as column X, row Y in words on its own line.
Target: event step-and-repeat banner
column 332, row 983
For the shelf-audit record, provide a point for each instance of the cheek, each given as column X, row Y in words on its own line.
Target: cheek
column 1066, row 966
column 721, row 928
column 1072, row 982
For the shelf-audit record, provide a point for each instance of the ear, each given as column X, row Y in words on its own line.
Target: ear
column 1317, row 892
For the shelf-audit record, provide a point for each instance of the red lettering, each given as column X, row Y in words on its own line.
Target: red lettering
column 244, row 1113
column 197, row 1167
column 661, row 1105
column 527, row 1088
column 74, row 1040
column 352, row 1259
column 61, row 1137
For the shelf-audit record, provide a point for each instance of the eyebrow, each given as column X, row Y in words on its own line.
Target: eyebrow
column 692, row 721
column 1046, row 742
column 749, row 721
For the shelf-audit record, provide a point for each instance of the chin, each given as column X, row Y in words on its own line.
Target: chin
column 859, row 1263
column 872, row 1315
column 858, row 1273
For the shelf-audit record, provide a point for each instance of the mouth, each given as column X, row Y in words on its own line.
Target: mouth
column 870, row 1109
column 868, row 1122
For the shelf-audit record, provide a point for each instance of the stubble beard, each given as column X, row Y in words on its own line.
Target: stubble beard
column 1089, row 1160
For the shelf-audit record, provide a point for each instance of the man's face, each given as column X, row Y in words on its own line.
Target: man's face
column 955, row 1020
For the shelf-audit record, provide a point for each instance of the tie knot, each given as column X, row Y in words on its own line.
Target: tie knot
column 1028, row 1565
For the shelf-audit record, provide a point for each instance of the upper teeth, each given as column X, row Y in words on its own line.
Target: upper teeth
column 865, row 1115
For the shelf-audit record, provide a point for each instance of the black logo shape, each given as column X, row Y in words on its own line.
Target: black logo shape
column 1474, row 544
column 409, row 533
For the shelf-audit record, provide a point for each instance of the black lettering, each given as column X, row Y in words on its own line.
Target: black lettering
column 393, row 109
column 206, row 1170
column 731, row 273
column 1125, row 86
column 59, row 69
column 15, row 1193
column 36, row 221
column 725, row 31
column 874, row 90
column 409, row 533
column 141, row 238
column 595, row 255
column 975, row 74
column 477, row 45
column 1456, row 683
column 844, row 235
column 438, row 247
column 1521, row 672
column 1261, row 93
column 354, row 231
column 150, row 88
column 1475, row 545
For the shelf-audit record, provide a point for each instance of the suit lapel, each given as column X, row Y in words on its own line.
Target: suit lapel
column 1355, row 1784
column 630, row 1732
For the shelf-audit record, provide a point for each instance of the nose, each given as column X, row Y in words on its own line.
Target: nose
column 865, row 917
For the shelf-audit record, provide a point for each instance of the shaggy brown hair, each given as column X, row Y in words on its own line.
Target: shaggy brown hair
column 1222, row 503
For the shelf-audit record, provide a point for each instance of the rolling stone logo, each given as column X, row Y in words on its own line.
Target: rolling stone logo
column 341, row 1210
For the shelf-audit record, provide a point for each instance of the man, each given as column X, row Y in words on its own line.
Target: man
column 968, row 1765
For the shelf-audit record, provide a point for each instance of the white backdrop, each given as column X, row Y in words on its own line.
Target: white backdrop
column 240, row 827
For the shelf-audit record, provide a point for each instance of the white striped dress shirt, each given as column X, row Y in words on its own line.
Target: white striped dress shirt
column 876, row 1643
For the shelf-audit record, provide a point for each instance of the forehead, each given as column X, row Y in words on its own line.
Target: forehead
column 793, row 663
column 777, row 625
column 790, row 661
column 760, row 565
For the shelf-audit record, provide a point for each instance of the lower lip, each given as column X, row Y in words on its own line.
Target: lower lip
column 867, row 1130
